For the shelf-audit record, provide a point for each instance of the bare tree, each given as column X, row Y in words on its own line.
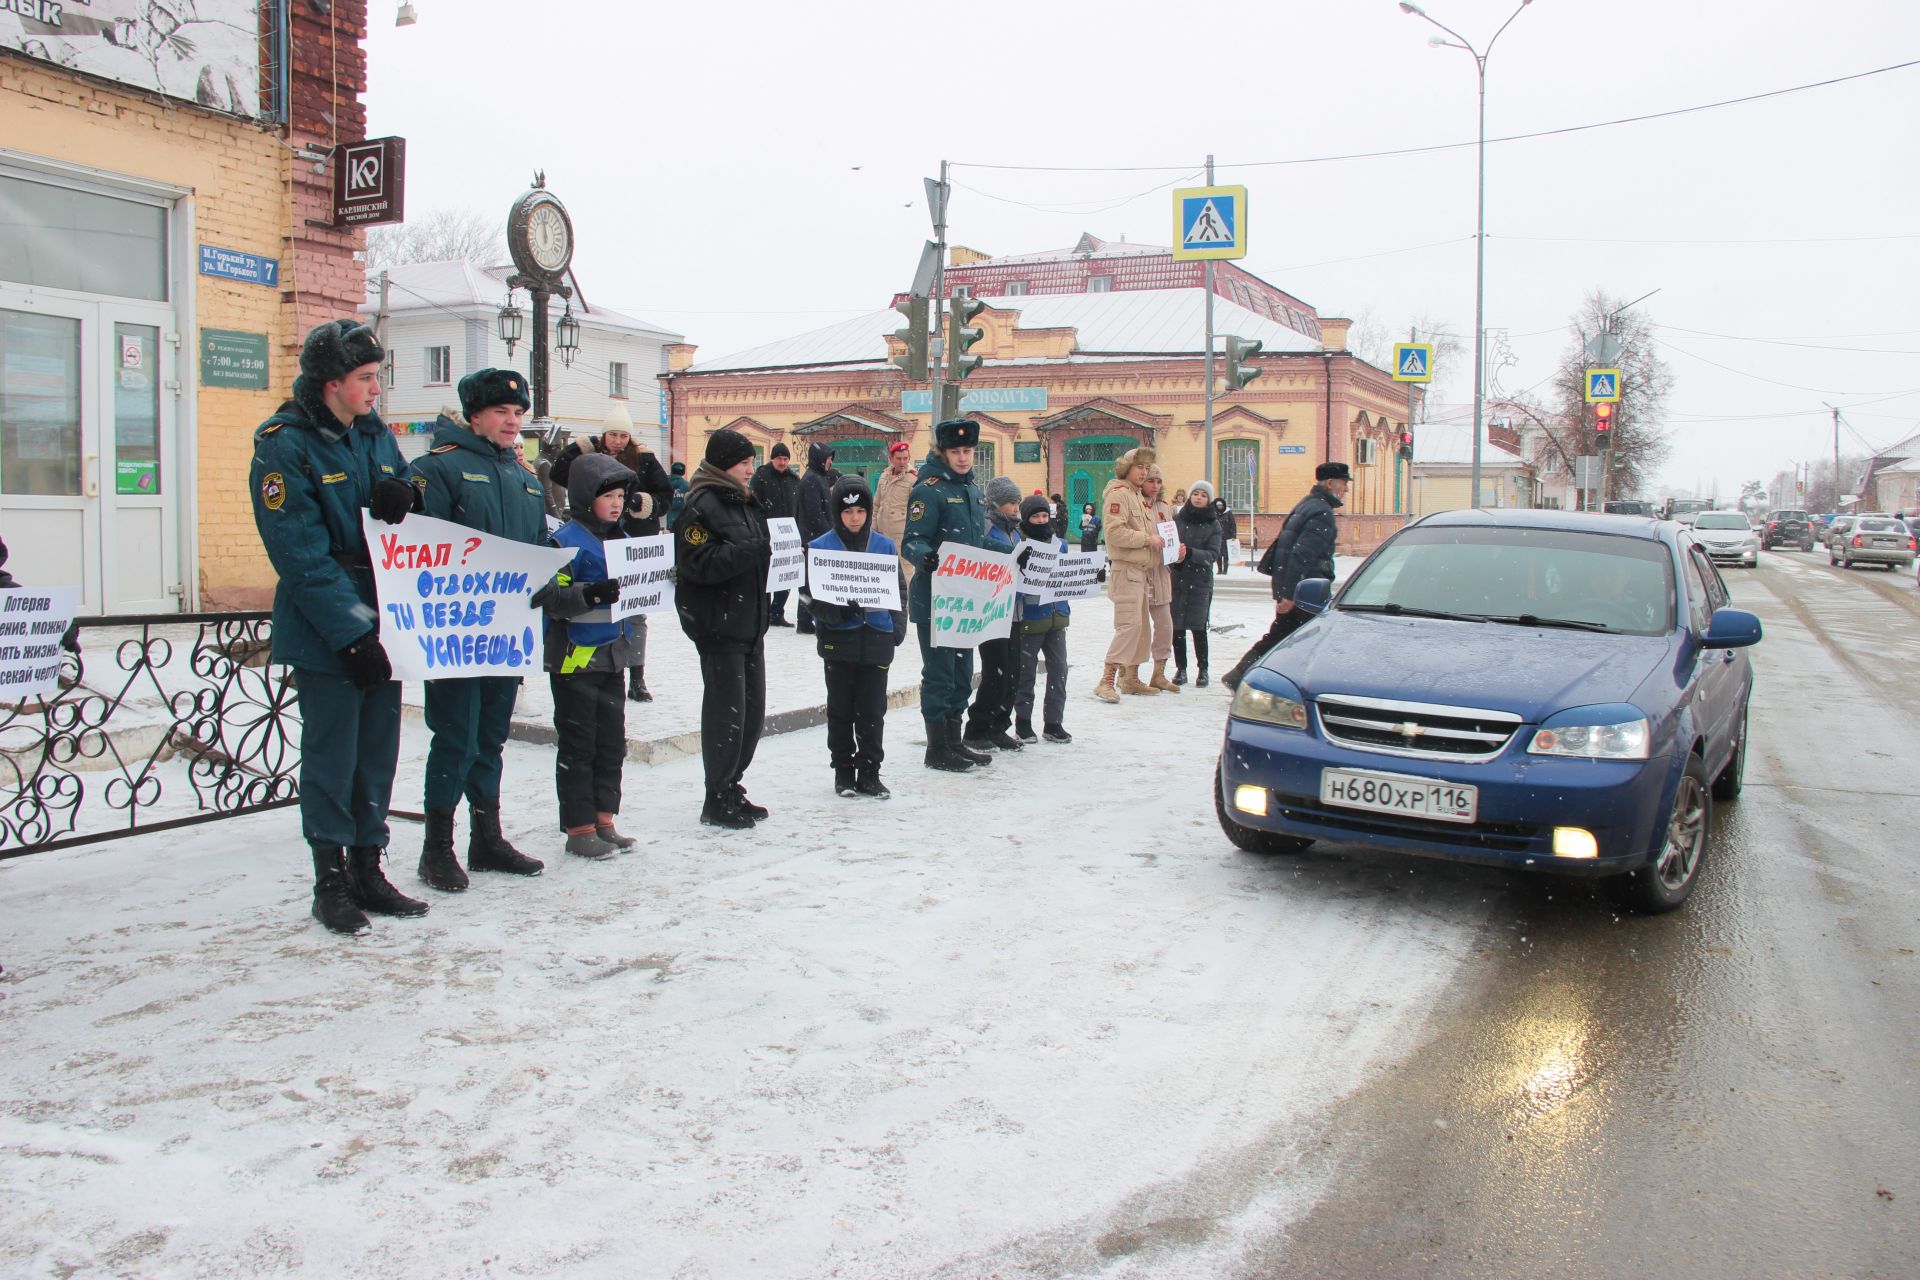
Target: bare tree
column 1372, row 339
column 441, row 235
column 1640, row 443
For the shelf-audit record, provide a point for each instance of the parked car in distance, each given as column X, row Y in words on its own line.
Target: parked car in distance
column 1629, row 507
column 1880, row 540
column 1728, row 536
column 1788, row 526
column 1836, row 528
column 1541, row 690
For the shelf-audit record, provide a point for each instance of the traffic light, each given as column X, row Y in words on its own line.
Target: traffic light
column 1239, row 351
column 965, row 307
column 1406, row 443
column 1603, row 426
column 914, row 358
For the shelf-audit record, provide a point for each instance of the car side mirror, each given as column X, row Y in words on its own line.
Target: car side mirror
column 1731, row 629
column 1312, row 594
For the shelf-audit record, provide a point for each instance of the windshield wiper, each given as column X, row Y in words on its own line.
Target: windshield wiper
column 1402, row 611
column 1534, row 620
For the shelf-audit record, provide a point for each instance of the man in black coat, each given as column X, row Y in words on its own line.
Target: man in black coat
column 812, row 514
column 1303, row 550
column 1229, row 530
column 777, row 489
column 722, row 552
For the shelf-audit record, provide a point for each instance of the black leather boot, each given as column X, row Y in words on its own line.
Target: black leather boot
column 956, row 740
column 758, row 812
column 721, row 810
column 332, row 902
column 939, row 754
column 370, row 888
column 487, row 847
column 438, row 867
column 867, row 781
column 843, row 783
column 637, row 686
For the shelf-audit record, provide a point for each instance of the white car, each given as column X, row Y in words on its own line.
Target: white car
column 1728, row 536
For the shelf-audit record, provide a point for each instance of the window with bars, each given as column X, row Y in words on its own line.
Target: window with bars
column 983, row 464
column 439, row 366
column 617, row 381
column 1239, row 472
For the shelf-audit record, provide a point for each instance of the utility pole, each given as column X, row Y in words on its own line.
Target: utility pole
column 1836, row 456
column 1206, row 469
column 936, row 345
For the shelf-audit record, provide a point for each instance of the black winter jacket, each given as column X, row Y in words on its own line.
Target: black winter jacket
column 1313, row 530
column 721, row 552
column 814, row 488
column 777, row 491
column 650, row 479
column 1201, row 534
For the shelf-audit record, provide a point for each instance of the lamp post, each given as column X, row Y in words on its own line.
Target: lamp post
column 567, row 337
column 508, row 321
column 1480, row 233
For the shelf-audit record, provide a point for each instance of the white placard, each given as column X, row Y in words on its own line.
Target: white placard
column 1233, row 550
column 454, row 603
column 853, row 578
column 973, row 592
column 32, row 620
column 1037, row 561
column 1170, row 535
column 644, row 568
column 1075, row 576
column 789, row 566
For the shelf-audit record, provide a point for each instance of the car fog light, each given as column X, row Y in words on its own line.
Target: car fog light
column 1251, row 800
column 1572, row 842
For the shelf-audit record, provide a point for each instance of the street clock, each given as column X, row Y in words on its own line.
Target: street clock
column 540, row 234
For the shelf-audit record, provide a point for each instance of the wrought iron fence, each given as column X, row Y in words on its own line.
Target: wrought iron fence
column 161, row 721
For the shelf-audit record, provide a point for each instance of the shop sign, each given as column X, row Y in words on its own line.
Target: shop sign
column 233, row 359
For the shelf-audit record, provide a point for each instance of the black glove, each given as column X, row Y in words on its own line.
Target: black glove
column 571, row 452
column 366, row 662
column 544, row 594
column 599, row 593
column 392, row 500
column 932, row 563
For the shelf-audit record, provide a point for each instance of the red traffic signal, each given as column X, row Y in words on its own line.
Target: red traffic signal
column 1602, row 417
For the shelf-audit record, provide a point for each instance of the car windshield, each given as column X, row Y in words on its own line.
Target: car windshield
column 1549, row 575
column 1880, row 526
column 1721, row 520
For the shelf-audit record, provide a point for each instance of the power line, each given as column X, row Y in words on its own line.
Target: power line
column 1792, row 386
column 1785, row 342
column 1067, row 208
column 1717, row 241
column 1449, row 146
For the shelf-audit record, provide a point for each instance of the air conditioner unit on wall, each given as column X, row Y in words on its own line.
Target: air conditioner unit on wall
column 1364, row 453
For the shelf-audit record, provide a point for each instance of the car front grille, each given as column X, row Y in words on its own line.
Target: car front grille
column 1418, row 729
column 1504, row 837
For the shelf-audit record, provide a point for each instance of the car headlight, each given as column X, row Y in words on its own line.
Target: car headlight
column 1286, row 709
column 1627, row 740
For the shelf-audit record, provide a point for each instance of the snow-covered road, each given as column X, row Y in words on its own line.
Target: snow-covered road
column 1041, row 1021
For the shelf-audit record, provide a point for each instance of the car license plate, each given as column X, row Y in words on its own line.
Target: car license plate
column 1398, row 794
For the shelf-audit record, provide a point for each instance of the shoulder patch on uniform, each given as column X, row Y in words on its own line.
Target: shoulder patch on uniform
column 443, row 448
column 334, row 477
column 1113, row 508
column 273, row 490
column 696, row 536
column 916, row 508
column 384, row 467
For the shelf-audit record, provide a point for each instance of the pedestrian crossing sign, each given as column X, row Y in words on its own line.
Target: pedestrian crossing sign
column 1209, row 222
column 1413, row 362
column 1603, row 386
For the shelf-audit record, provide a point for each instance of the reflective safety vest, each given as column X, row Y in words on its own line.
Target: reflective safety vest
column 596, row 627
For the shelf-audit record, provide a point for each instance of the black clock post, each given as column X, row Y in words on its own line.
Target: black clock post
column 540, row 239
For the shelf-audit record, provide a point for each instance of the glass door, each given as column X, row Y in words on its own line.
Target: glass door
column 50, row 443
column 139, row 490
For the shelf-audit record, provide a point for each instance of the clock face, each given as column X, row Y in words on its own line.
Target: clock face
column 547, row 237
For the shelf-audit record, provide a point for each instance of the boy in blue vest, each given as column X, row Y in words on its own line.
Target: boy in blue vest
column 587, row 654
column 857, row 644
column 1041, row 632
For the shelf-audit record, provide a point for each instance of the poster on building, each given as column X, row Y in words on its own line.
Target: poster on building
column 644, row 569
column 205, row 51
column 973, row 594
column 31, row 624
column 853, row 578
column 789, row 567
column 455, row 604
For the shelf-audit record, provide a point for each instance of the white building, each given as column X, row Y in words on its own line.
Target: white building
column 441, row 324
column 1443, row 465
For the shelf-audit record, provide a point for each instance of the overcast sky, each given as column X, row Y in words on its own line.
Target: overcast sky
column 742, row 172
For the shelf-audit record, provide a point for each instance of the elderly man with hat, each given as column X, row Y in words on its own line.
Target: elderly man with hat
column 891, row 491
column 1303, row 549
column 472, row 477
column 317, row 463
column 945, row 509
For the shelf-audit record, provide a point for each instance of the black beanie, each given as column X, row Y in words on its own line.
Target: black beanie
column 850, row 491
column 338, row 347
column 1031, row 507
column 727, row 448
column 779, row 451
column 485, row 388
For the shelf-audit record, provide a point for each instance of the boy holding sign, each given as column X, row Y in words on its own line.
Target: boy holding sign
column 1042, row 633
column 586, row 654
column 857, row 644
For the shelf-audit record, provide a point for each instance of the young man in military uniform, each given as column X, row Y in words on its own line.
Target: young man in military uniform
column 944, row 509
column 317, row 463
column 472, row 477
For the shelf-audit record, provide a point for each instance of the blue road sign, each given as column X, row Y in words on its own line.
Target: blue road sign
column 232, row 264
column 1210, row 222
column 1413, row 362
column 1603, row 386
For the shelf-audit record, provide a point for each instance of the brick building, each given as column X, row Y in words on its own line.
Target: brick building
column 165, row 187
column 1087, row 351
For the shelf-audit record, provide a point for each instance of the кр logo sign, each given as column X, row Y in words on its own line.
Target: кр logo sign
column 370, row 182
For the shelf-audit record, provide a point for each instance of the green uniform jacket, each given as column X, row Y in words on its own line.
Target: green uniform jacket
column 943, row 508
column 311, row 477
column 476, row 483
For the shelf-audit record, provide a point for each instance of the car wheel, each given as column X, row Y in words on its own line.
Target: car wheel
column 1726, row 787
column 1831, row 557
column 1252, row 839
column 1667, row 881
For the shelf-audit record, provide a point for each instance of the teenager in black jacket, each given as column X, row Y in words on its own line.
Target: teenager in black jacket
column 721, row 554
column 776, row 487
column 1304, row 549
column 811, row 515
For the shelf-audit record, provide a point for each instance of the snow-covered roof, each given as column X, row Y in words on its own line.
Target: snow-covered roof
column 1134, row 321
column 1450, row 444
column 1090, row 246
column 460, row 286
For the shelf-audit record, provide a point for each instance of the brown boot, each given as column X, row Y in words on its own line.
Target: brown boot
column 1105, row 690
column 1160, row 680
column 1130, row 683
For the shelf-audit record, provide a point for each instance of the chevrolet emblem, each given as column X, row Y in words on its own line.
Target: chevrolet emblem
column 1409, row 730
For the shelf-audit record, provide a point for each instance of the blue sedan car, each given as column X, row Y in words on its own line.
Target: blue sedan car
column 1531, row 689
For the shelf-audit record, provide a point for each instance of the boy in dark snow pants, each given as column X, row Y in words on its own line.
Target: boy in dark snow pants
column 1041, row 633
column 857, row 644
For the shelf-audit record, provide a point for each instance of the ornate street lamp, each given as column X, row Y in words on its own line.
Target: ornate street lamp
column 567, row 337
column 509, row 324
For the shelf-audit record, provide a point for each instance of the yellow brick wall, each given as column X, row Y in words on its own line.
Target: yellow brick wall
column 238, row 175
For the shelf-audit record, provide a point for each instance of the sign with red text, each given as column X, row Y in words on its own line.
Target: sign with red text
column 973, row 591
